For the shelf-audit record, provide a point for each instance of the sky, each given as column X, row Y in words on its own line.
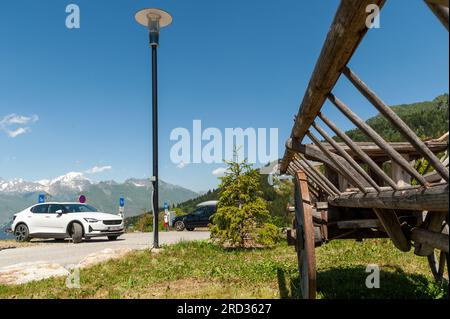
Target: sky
column 80, row 99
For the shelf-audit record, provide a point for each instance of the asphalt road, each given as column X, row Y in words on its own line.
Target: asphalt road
column 66, row 253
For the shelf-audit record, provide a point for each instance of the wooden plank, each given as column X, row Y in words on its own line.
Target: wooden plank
column 435, row 240
column 434, row 198
column 345, row 34
column 392, row 226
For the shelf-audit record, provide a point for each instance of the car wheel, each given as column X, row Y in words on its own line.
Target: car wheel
column 77, row 233
column 179, row 225
column 190, row 229
column 22, row 233
column 112, row 238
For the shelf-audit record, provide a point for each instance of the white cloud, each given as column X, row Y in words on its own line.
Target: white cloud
column 13, row 124
column 98, row 169
column 219, row 171
column 17, row 132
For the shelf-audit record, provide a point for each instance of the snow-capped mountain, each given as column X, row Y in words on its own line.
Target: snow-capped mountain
column 18, row 194
column 74, row 181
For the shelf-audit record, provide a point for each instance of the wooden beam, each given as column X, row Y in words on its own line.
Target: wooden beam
column 359, row 223
column 378, row 154
column 429, row 238
column 397, row 122
column 434, row 198
column 345, row 34
column 440, row 2
column 440, row 12
column 392, row 226
column 313, row 152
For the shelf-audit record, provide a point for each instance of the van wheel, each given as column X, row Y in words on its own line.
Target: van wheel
column 76, row 233
column 22, row 233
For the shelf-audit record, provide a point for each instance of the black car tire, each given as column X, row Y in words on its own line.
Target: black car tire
column 179, row 225
column 22, row 233
column 77, row 233
column 112, row 238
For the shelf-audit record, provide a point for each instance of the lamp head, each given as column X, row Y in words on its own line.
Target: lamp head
column 154, row 20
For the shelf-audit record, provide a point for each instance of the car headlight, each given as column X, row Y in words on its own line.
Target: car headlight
column 91, row 220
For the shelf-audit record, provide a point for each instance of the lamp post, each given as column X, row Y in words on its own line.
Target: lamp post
column 154, row 20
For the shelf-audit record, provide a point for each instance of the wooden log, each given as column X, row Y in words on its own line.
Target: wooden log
column 326, row 180
column 347, row 157
column 399, row 175
column 397, row 122
column 359, row 223
column 433, row 239
column 345, row 34
column 311, row 174
column 433, row 223
column 435, row 198
column 342, row 168
column 392, row 226
column 376, row 138
column 359, row 152
column 314, row 153
column 440, row 2
column 440, row 12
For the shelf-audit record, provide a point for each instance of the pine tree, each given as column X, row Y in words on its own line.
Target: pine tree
column 242, row 217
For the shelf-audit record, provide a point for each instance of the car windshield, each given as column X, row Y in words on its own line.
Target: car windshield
column 79, row 208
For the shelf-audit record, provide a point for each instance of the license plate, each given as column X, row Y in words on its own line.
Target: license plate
column 114, row 228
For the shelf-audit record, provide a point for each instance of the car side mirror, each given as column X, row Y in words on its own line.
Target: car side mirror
column 59, row 212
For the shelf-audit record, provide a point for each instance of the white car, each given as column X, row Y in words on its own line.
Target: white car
column 65, row 220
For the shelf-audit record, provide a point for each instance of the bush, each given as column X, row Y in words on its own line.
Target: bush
column 242, row 218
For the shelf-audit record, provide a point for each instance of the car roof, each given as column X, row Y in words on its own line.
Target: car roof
column 208, row 203
column 62, row 203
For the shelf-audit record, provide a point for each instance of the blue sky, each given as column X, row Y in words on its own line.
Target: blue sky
column 234, row 63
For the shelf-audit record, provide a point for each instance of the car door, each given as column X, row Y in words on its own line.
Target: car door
column 204, row 217
column 57, row 223
column 37, row 220
column 195, row 217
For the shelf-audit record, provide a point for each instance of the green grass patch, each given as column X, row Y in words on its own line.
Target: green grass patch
column 203, row 270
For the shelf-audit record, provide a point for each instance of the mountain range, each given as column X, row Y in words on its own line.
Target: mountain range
column 18, row 194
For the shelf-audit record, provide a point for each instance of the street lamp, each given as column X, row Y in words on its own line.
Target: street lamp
column 154, row 20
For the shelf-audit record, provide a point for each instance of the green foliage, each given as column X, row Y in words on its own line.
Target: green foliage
column 426, row 119
column 278, row 197
column 144, row 223
column 242, row 217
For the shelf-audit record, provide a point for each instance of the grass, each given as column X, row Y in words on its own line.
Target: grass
column 203, row 270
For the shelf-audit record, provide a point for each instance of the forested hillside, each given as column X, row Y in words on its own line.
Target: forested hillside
column 427, row 119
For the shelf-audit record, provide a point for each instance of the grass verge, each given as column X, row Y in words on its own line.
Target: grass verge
column 203, row 270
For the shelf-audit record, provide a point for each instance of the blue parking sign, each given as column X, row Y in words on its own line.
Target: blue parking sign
column 41, row 198
column 122, row 202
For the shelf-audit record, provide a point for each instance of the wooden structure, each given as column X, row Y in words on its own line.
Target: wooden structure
column 352, row 195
